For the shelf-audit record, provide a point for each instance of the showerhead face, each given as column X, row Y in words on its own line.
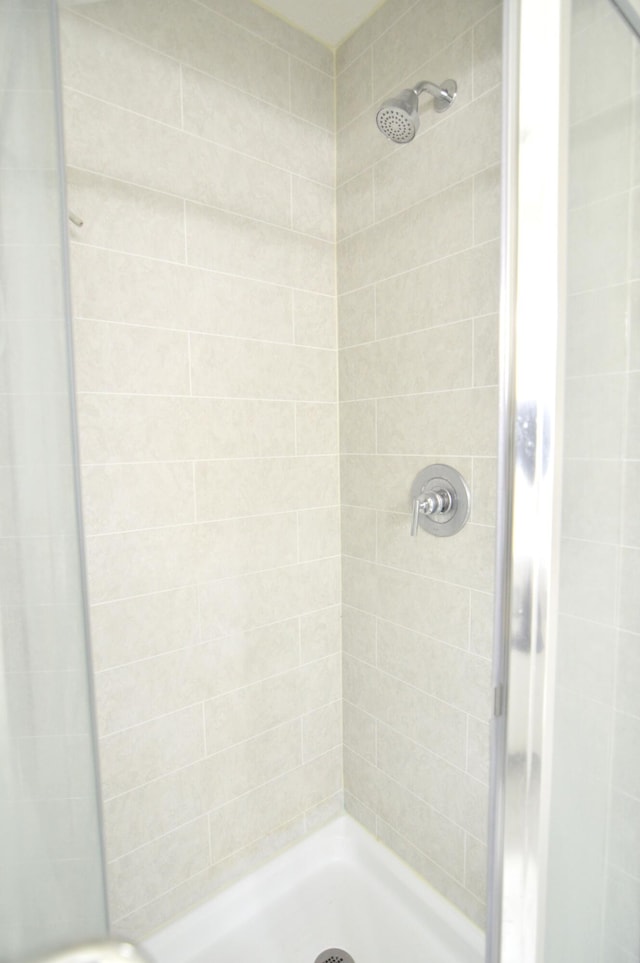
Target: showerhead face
column 398, row 118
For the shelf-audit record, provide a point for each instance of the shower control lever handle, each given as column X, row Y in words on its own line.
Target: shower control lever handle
column 430, row 503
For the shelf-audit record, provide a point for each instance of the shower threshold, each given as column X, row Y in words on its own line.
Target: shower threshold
column 337, row 888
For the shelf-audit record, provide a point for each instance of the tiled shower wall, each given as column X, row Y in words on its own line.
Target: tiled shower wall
column 200, row 150
column 418, row 272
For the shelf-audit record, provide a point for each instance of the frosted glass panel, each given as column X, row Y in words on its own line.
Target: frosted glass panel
column 51, row 884
column 593, row 912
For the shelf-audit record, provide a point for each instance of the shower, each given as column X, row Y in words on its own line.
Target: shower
column 259, row 721
column 398, row 118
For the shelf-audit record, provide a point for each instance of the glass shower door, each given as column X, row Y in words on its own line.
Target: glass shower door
column 593, row 897
column 566, row 854
column 51, row 879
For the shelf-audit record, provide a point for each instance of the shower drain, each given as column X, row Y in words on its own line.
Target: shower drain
column 335, row 956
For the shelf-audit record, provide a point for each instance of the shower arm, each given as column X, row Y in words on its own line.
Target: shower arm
column 440, row 93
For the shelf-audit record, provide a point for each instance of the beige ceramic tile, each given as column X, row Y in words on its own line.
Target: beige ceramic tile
column 359, row 532
column 475, row 875
column 410, row 364
column 212, row 109
column 153, row 560
column 137, row 628
column 486, row 350
column 355, row 207
column 435, row 875
column 478, row 750
column 419, row 35
column 120, row 497
column 467, row 560
column 320, row 634
column 127, row 218
column 239, row 604
column 452, row 422
column 450, row 289
column 481, row 628
column 201, row 38
column 312, row 94
column 487, row 52
column 413, row 713
column 141, row 876
column 118, row 287
column 229, row 488
column 128, row 428
column 360, row 812
column 259, row 21
column 358, row 426
column 234, row 368
column 260, row 812
column 121, row 358
column 108, row 65
column 318, row 533
column 239, row 715
column 138, row 755
column 354, row 89
column 316, row 429
column 314, row 318
column 259, row 251
column 175, row 680
column 450, row 791
column 356, row 317
column 313, row 208
column 251, row 764
column 135, row 149
column 454, row 676
column 322, row 731
column 359, row 634
column 405, row 598
column 431, row 229
column 486, row 205
column 432, row 832
column 359, row 732
column 483, row 484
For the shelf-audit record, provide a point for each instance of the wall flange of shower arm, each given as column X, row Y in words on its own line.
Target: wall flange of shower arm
column 399, row 118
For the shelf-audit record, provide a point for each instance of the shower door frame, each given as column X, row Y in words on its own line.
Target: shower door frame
column 534, row 205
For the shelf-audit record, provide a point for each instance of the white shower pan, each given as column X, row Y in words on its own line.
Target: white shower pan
column 338, row 888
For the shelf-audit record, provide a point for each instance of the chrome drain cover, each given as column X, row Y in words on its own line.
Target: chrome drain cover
column 335, row 956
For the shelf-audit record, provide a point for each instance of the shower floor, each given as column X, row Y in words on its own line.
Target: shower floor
column 338, row 888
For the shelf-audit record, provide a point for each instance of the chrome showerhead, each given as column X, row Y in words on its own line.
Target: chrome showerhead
column 399, row 119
